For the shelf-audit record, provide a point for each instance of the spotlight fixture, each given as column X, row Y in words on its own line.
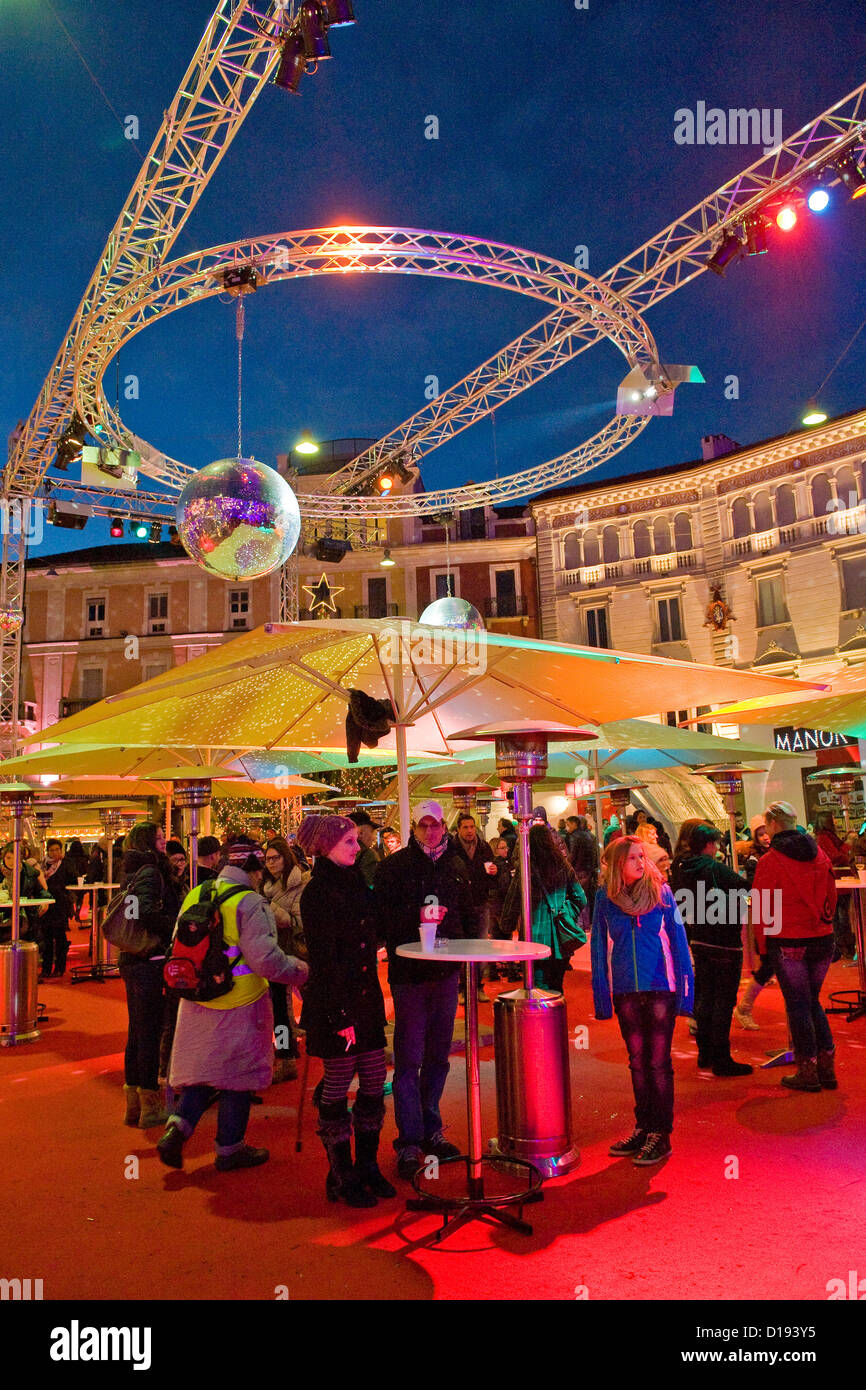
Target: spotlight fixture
column 139, row 529
column 386, row 562
column 292, row 65
column 330, row 551
column 729, row 249
column 813, row 415
column 817, row 194
column 241, row 279
column 306, row 444
column 70, row 443
column 313, row 24
column 116, row 529
column 786, row 217
column 850, row 173
column 755, row 230
column 68, row 516
column 155, row 532
column 384, row 482
column 339, row 12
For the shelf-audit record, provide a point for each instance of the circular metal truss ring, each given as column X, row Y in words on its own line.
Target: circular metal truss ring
column 585, row 311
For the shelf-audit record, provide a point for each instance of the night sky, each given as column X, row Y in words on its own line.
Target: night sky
column 556, row 129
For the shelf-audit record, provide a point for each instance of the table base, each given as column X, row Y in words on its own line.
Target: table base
column 476, row 1206
column 108, row 971
column 855, row 1009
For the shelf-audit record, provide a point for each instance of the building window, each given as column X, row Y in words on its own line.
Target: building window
column 591, row 551
column 642, row 543
column 821, row 495
column 153, row 669
column 157, row 613
column 682, row 531
column 661, row 536
column 596, row 627
column 610, row 545
column 571, row 555
column 763, row 512
column 92, row 684
column 854, row 582
column 505, row 595
column 96, row 618
column 741, row 520
column 472, row 525
column 771, row 602
column 786, row 506
column 675, row 717
column 239, row 608
column 377, row 597
column 670, row 620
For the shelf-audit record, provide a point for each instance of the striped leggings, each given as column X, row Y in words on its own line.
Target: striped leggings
column 339, row 1072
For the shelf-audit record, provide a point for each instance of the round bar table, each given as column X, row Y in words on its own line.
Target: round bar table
column 856, row 1007
column 475, row 1205
column 99, row 968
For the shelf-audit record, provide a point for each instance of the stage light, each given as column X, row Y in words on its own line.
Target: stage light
column 755, row 229
column 70, row 443
column 241, row 279
column 330, row 551
column 817, row 196
column 813, row 415
column 116, row 528
column 139, row 529
column 339, row 12
column 786, row 217
column 729, row 248
column 386, row 562
column 384, row 482
column 306, row 444
column 69, row 516
column 850, row 173
column 155, row 532
column 313, row 23
column 292, row 64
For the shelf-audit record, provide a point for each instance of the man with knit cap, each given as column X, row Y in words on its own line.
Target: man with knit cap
column 428, row 872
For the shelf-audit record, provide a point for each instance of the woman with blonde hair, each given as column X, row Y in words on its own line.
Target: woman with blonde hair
column 641, row 970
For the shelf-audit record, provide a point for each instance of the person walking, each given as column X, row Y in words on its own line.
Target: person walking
column 554, row 893
column 798, row 943
column 283, row 883
column 344, row 1012
column 227, row 1043
column 641, row 970
column 148, row 879
column 712, row 900
column 428, row 872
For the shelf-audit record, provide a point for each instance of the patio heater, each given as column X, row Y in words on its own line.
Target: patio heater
column 464, row 795
column 110, row 819
column 728, row 782
column 530, row 1026
column 842, row 781
column 44, row 821
column 193, row 787
column 19, row 960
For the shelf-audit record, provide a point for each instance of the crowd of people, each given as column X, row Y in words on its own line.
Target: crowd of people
column 308, row 919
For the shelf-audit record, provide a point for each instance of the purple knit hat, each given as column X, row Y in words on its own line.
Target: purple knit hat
column 319, row 834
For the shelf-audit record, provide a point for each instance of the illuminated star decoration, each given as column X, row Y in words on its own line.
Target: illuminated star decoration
column 322, row 596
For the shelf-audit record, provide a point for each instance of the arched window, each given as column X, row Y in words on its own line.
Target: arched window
column 571, row 556
column 763, row 508
column 591, row 552
column 641, row 540
column 661, row 536
column 741, row 521
column 786, row 506
column 682, row 531
column 821, row 495
column 610, row 545
column 846, row 487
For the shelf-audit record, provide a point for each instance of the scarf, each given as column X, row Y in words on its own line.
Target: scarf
column 639, row 899
column 437, row 851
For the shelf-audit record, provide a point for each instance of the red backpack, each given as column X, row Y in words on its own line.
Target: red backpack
column 198, row 966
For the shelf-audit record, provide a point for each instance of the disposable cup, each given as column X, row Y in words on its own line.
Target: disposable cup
column 428, row 936
column 81, row 880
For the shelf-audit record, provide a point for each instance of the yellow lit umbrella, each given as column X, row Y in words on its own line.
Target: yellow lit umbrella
column 840, row 709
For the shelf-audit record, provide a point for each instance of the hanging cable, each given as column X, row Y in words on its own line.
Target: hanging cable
column 239, row 334
column 843, row 353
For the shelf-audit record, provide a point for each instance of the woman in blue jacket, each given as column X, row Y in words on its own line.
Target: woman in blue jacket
column 641, row 970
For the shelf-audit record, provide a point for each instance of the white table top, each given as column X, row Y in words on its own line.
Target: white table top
column 470, row 949
column 86, row 887
column 850, row 882
column 27, row 902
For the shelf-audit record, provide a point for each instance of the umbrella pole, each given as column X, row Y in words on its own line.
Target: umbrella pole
column 168, row 812
column 403, row 784
column 598, row 802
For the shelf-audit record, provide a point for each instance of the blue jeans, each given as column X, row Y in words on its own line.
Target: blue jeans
column 232, row 1115
column 646, row 1021
column 424, row 1015
column 800, row 970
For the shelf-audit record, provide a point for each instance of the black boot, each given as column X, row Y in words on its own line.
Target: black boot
column 368, row 1114
column 343, row 1184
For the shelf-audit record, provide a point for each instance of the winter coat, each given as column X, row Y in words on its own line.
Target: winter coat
column 285, row 907
column 232, row 1048
column 147, row 876
column 368, row 862
column 343, row 990
column 403, row 881
column 543, row 912
column 583, row 853
column 29, row 917
column 482, row 881
column 704, row 890
column 835, row 849
column 796, row 866
column 632, row 955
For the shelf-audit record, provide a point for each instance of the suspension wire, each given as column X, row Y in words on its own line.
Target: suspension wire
column 239, row 334
column 843, row 353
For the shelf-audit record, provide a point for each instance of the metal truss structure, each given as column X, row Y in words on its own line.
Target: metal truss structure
column 134, row 283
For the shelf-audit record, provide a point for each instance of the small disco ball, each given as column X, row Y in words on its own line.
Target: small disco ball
column 10, row 618
column 452, row 612
column 238, row 519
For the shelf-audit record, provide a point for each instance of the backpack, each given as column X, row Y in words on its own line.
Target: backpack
column 198, row 966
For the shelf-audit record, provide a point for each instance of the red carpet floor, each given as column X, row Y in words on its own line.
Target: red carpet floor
column 763, row 1197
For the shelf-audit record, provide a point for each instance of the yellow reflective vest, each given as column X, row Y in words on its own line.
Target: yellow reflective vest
column 248, row 987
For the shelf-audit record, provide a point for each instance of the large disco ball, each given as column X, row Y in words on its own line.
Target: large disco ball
column 452, row 612
column 238, row 519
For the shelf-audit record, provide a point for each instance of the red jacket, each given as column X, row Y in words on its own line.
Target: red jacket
column 800, row 873
column 835, row 849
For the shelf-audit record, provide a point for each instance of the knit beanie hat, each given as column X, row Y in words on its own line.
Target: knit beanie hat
column 244, row 853
column 319, row 834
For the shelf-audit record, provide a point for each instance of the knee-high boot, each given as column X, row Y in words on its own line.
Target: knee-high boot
column 368, row 1114
column 343, row 1184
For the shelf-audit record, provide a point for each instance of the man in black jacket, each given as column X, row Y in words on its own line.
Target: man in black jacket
column 428, row 872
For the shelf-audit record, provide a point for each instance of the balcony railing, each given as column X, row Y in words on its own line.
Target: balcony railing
column 26, row 713
column 375, row 610
column 514, row 606
column 589, row 575
column 68, row 707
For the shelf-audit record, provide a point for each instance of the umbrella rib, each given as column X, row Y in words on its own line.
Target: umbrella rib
column 464, row 685
column 430, row 707
column 566, row 709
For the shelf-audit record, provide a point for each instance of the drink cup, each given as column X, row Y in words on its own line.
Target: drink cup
column 427, row 932
column 81, row 880
column 490, row 867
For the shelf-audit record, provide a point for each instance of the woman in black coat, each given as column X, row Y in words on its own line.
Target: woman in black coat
column 343, row 1011
column 148, row 877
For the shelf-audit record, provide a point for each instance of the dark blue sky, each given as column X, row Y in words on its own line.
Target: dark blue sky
column 556, row 129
